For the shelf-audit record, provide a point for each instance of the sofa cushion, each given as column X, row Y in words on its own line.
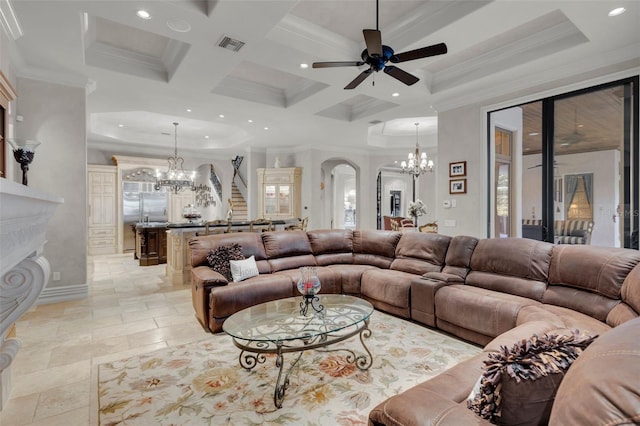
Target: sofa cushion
column 588, row 279
column 219, row 259
column 350, row 276
column 388, row 290
column 488, row 313
column 603, row 384
column 519, row 383
column 459, row 254
column 332, row 246
column 329, row 280
column 377, row 248
column 251, row 243
column 629, row 308
column 419, row 252
column 516, row 266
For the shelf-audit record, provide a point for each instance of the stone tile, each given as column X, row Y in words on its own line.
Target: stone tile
column 78, row 417
column 43, row 380
column 62, row 399
column 124, row 329
column 130, row 310
column 19, row 411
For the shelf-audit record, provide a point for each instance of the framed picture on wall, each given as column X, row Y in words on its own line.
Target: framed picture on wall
column 458, row 186
column 458, row 169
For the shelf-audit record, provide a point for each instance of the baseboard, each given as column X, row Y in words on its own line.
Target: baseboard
column 63, row 294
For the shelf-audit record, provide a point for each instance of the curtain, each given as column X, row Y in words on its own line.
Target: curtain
column 588, row 186
column 571, row 185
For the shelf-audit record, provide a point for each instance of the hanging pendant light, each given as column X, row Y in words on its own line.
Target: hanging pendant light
column 417, row 163
column 175, row 178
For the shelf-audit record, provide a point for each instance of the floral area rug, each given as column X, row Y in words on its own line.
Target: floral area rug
column 202, row 383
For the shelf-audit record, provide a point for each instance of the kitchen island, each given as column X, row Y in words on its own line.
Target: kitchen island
column 151, row 243
column 177, row 238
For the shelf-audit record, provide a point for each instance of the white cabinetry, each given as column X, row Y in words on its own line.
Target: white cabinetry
column 102, row 209
column 177, row 202
column 279, row 192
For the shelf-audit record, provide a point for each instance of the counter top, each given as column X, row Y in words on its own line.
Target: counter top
column 201, row 224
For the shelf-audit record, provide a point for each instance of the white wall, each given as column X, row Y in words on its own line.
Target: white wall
column 460, row 138
column 56, row 115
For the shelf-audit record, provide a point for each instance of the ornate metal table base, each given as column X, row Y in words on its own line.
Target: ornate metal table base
column 253, row 353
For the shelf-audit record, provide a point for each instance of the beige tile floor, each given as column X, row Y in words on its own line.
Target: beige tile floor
column 129, row 310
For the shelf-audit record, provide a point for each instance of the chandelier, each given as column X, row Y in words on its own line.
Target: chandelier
column 175, row 178
column 417, row 163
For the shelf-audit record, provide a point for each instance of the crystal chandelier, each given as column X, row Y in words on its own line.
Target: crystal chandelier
column 175, row 178
column 417, row 163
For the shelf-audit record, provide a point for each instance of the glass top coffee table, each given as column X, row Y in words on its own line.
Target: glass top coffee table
column 280, row 327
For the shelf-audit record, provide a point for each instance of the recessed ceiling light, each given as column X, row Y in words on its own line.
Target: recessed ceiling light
column 580, row 125
column 266, row 128
column 534, row 134
column 396, row 94
column 249, row 121
column 304, row 66
column 120, row 125
column 221, row 115
column 188, row 109
column 206, row 137
column 617, row 11
column 143, row 14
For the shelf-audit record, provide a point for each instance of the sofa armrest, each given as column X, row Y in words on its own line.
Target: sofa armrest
column 203, row 279
column 205, row 276
column 445, row 277
column 421, row 406
column 423, row 297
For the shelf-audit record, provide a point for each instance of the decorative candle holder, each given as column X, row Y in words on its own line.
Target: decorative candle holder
column 309, row 286
column 23, row 152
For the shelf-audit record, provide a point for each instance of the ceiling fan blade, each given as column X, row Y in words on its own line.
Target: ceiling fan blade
column 337, row 64
column 401, row 75
column 373, row 40
column 424, row 52
column 359, row 79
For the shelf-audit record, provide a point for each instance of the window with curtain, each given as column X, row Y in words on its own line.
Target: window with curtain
column 579, row 196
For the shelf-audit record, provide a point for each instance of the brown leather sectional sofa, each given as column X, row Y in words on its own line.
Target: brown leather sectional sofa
column 491, row 292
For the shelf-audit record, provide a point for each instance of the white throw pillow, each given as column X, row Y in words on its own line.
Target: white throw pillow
column 243, row 269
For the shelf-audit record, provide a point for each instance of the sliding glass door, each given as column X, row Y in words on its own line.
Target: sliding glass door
column 573, row 167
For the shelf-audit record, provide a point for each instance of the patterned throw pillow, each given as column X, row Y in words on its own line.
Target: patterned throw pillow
column 243, row 269
column 519, row 384
column 219, row 259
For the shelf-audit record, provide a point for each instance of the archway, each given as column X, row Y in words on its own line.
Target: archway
column 340, row 198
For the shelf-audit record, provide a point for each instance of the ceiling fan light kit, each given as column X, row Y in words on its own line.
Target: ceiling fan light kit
column 377, row 55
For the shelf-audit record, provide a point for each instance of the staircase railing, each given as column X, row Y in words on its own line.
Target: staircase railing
column 240, row 182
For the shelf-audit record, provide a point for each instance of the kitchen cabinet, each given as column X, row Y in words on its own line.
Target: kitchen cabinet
column 279, row 192
column 178, row 201
column 102, row 195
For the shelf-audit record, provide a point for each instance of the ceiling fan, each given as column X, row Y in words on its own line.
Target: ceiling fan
column 376, row 55
column 555, row 165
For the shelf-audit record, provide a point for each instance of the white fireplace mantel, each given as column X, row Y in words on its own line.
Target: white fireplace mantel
column 24, row 272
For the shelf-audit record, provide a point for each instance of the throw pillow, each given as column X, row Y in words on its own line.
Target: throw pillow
column 519, row 384
column 220, row 257
column 243, row 269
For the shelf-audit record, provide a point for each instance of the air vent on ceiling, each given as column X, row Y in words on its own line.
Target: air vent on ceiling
column 375, row 122
column 230, row 43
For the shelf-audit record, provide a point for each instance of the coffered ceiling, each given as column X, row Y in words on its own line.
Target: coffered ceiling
column 144, row 74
